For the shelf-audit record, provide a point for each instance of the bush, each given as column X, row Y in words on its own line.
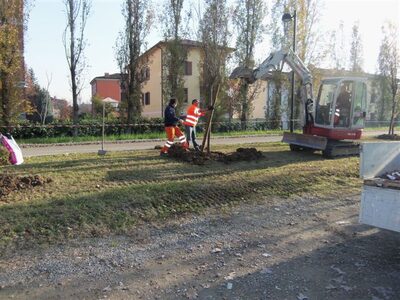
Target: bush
column 86, row 127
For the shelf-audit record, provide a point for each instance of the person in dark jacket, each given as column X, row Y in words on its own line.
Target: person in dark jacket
column 171, row 128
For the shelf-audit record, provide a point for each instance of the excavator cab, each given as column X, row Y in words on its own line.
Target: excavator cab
column 341, row 104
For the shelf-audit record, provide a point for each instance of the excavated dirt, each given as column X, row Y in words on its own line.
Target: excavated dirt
column 391, row 137
column 11, row 183
column 194, row 157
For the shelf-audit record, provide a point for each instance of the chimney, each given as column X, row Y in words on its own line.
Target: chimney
column 106, row 74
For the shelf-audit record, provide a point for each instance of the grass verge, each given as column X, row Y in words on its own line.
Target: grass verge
column 96, row 196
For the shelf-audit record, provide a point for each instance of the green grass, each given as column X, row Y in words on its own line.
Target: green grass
column 97, row 196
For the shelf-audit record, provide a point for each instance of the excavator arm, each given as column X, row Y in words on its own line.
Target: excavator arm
column 275, row 62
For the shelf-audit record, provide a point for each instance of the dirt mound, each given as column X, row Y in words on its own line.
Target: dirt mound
column 194, row 157
column 391, row 137
column 10, row 183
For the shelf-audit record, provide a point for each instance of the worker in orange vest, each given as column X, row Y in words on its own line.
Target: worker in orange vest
column 171, row 128
column 192, row 117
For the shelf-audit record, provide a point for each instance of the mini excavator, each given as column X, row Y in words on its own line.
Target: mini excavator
column 334, row 121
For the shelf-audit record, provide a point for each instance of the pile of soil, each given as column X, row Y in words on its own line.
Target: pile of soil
column 11, row 183
column 391, row 137
column 194, row 157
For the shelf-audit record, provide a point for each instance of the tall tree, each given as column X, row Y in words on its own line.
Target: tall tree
column 129, row 47
column 248, row 20
column 175, row 53
column 77, row 13
column 214, row 35
column 389, row 66
column 356, row 50
column 310, row 40
column 12, row 24
column 383, row 72
column 337, row 46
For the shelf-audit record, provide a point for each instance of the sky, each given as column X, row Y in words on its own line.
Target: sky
column 44, row 50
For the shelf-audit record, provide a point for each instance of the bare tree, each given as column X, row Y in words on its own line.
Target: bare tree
column 175, row 53
column 248, row 19
column 337, row 48
column 214, row 34
column 389, row 65
column 310, row 40
column 129, row 47
column 77, row 12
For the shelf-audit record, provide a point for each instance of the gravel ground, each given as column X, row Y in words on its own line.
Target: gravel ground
column 298, row 248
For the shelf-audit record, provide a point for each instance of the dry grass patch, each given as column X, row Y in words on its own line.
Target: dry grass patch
column 92, row 196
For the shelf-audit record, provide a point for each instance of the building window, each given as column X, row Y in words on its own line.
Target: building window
column 186, row 97
column 145, row 74
column 188, row 68
column 142, row 99
column 147, row 98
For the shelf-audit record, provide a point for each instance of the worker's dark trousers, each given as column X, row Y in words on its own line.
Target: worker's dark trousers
column 190, row 133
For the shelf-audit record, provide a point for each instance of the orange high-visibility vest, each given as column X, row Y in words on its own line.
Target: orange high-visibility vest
column 192, row 116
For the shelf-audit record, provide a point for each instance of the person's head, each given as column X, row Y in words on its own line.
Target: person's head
column 195, row 101
column 173, row 102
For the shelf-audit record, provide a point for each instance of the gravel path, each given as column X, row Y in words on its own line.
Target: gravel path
column 299, row 248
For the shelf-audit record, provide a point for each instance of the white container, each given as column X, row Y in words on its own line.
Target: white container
column 380, row 204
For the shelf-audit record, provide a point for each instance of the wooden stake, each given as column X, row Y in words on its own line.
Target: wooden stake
column 207, row 133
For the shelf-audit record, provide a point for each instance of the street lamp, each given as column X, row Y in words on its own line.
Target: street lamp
column 287, row 18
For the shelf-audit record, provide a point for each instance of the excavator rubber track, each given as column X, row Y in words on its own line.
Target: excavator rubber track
column 330, row 148
column 341, row 149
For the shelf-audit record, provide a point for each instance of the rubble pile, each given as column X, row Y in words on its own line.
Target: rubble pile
column 394, row 175
column 10, row 183
column 197, row 158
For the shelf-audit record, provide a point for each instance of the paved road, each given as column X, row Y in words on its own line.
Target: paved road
column 126, row 146
column 42, row 150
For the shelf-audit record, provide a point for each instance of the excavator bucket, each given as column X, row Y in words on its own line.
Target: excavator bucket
column 243, row 73
column 306, row 141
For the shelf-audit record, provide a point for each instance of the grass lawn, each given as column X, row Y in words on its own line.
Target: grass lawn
column 96, row 196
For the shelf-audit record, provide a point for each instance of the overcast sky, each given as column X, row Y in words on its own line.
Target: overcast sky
column 44, row 51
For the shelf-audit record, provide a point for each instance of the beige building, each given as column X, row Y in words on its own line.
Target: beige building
column 152, row 88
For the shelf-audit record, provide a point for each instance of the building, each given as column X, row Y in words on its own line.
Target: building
column 107, row 86
column 152, row 87
column 152, row 90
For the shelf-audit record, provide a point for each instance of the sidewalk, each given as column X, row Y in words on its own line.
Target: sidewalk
column 90, row 147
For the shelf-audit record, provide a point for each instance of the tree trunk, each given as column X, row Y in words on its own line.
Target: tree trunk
column 392, row 117
column 245, row 106
column 5, row 100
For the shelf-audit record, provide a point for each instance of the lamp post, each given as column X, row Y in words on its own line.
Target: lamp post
column 102, row 151
column 287, row 18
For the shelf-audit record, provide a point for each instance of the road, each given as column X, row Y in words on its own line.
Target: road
column 41, row 150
